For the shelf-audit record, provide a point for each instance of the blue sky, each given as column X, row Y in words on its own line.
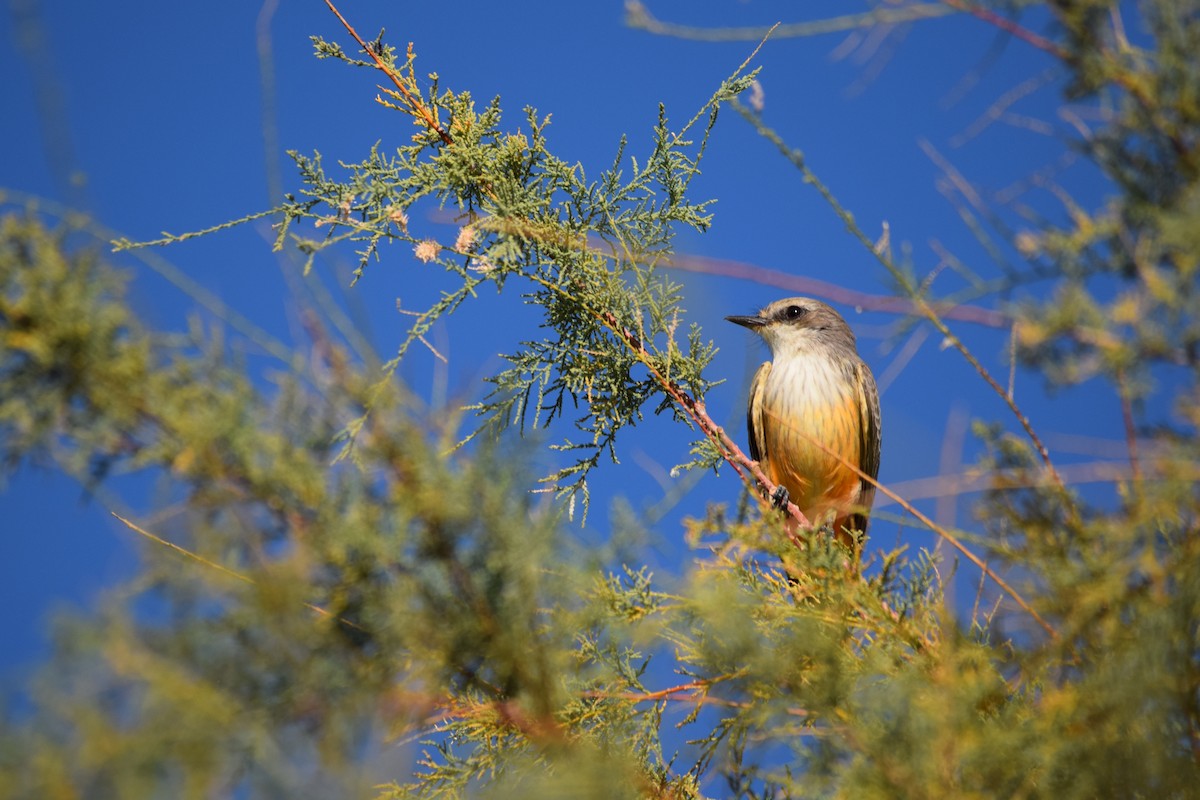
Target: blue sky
column 150, row 116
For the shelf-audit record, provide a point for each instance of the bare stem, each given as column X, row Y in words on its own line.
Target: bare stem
column 414, row 103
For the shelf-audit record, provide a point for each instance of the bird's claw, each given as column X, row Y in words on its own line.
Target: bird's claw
column 779, row 498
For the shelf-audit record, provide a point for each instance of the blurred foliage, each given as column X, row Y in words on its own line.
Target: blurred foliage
column 414, row 623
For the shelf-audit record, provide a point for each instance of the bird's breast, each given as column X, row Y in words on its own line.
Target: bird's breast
column 810, row 408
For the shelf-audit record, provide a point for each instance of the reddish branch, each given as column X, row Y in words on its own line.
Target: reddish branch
column 729, row 450
column 416, row 105
column 831, row 291
column 1008, row 26
column 695, row 691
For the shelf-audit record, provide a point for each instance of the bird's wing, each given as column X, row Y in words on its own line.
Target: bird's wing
column 869, row 445
column 754, row 415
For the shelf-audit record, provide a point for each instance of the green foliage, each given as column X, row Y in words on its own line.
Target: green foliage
column 412, row 623
column 583, row 249
column 1148, row 149
column 66, row 362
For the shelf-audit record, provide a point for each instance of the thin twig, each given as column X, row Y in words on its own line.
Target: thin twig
column 999, row 109
column 978, row 596
column 831, row 291
column 183, row 551
column 942, row 532
column 696, row 692
column 1130, row 427
column 416, row 105
column 1012, row 362
column 902, row 359
column 638, row 17
column 81, row 221
column 974, row 481
column 950, row 460
column 1008, row 26
column 690, row 688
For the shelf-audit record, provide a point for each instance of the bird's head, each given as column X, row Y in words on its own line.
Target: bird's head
column 798, row 325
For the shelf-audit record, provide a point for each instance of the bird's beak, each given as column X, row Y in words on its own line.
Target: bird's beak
column 753, row 323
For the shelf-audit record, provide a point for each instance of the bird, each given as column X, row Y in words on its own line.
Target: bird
column 816, row 397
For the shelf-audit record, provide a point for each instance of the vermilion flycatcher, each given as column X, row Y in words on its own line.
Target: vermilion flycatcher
column 815, row 398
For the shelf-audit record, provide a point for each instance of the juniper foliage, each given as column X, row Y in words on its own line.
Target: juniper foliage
column 583, row 250
column 307, row 627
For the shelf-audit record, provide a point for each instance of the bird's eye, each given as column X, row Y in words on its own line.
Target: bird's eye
column 794, row 312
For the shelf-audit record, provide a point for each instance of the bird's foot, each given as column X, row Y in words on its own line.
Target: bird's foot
column 779, row 498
